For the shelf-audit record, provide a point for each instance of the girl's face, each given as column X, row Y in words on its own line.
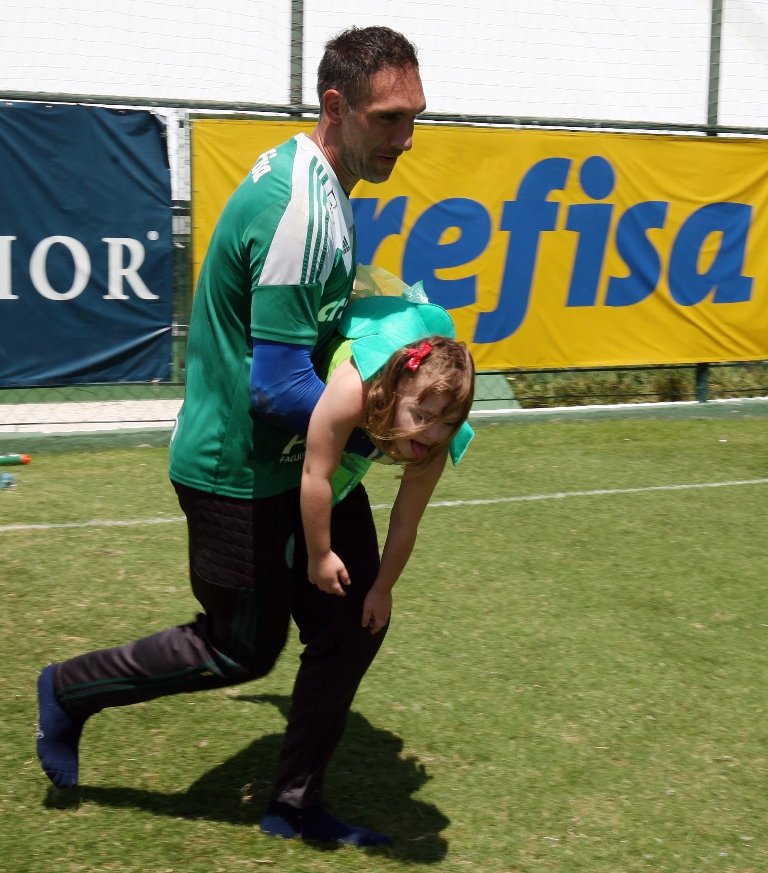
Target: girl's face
column 428, row 419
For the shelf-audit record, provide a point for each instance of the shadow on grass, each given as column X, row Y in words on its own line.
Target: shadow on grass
column 368, row 783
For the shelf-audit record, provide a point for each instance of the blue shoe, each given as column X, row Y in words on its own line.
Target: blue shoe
column 58, row 734
column 318, row 825
column 281, row 820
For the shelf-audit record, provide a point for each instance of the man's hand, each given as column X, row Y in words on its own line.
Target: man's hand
column 377, row 609
column 329, row 574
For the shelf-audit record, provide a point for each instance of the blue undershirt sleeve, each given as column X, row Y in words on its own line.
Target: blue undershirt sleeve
column 285, row 389
column 284, row 385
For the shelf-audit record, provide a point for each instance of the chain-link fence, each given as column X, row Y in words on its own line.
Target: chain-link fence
column 682, row 67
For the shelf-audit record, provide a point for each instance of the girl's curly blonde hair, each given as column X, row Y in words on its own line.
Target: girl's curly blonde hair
column 450, row 373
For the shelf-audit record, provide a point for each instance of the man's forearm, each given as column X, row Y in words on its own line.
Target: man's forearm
column 284, row 385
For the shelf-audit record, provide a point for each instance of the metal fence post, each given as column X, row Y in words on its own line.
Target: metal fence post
column 297, row 52
column 702, row 383
column 715, row 33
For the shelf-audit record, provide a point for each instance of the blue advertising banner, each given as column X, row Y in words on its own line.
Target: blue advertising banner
column 86, row 251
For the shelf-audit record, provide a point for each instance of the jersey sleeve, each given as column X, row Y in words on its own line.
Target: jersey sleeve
column 291, row 249
column 286, row 313
column 284, row 302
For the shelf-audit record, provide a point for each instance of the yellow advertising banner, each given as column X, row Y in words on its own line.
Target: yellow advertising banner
column 554, row 248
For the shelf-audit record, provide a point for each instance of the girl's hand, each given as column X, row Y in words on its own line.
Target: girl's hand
column 377, row 609
column 329, row 574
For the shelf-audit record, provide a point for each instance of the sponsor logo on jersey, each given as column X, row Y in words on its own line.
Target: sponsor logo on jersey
column 293, row 450
column 262, row 165
column 332, row 311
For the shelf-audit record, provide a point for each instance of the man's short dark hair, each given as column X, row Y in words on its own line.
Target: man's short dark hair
column 353, row 56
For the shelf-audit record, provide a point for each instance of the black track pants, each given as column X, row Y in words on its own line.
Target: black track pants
column 248, row 571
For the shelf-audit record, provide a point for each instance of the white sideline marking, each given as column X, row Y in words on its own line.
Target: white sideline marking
column 134, row 522
column 522, row 498
column 597, row 492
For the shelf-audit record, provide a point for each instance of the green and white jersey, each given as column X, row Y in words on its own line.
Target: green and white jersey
column 280, row 266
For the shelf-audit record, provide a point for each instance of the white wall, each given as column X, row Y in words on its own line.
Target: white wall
column 629, row 60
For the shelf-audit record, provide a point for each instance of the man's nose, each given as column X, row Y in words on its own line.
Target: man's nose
column 403, row 138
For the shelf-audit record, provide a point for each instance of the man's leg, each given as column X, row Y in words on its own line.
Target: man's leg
column 240, row 577
column 338, row 651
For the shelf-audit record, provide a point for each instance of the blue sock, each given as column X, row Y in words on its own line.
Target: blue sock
column 58, row 734
column 282, row 820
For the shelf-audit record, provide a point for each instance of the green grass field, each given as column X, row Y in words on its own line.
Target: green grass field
column 576, row 677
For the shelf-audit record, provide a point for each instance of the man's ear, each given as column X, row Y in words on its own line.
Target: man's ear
column 333, row 102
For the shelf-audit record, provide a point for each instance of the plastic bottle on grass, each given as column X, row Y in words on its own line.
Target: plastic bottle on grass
column 7, row 481
column 14, row 458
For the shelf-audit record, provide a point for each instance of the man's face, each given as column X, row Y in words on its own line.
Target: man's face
column 380, row 128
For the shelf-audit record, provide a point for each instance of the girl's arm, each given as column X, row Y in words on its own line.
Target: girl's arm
column 338, row 412
column 416, row 488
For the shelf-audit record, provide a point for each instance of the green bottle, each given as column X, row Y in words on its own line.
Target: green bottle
column 8, row 460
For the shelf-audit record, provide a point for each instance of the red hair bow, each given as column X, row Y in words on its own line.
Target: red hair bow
column 417, row 355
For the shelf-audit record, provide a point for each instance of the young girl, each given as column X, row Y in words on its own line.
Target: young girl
column 400, row 375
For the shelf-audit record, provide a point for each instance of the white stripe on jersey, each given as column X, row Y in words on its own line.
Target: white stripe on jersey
column 317, row 230
column 312, row 227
